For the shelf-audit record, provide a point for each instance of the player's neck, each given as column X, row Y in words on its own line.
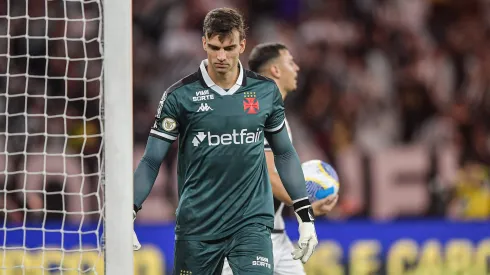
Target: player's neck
column 283, row 93
column 281, row 89
column 226, row 80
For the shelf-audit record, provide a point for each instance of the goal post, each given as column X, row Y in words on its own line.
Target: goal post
column 118, row 140
column 66, row 137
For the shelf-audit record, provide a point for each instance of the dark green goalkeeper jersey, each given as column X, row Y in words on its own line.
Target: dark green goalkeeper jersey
column 223, row 181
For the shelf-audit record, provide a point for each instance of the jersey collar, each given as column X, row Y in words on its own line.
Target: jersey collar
column 210, row 83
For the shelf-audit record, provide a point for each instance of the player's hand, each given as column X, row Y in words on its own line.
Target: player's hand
column 325, row 205
column 136, row 243
column 306, row 243
column 307, row 233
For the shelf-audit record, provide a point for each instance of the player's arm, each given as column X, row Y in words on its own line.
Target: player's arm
column 278, row 189
column 145, row 175
column 147, row 170
column 320, row 207
column 289, row 168
column 162, row 134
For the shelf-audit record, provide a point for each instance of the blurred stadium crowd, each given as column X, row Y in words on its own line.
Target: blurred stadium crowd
column 385, row 85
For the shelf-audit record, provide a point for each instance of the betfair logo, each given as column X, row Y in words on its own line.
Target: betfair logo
column 242, row 136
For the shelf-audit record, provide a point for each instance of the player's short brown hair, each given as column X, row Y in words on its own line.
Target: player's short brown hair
column 263, row 53
column 222, row 22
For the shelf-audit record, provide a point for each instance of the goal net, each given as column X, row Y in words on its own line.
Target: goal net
column 52, row 102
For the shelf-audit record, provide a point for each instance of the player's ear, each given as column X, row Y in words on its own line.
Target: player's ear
column 204, row 42
column 242, row 45
column 275, row 71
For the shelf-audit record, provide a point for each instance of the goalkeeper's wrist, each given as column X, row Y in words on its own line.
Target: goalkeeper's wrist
column 304, row 211
column 136, row 208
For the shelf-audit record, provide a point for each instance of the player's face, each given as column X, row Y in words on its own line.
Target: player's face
column 288, row 71
column 223, row 55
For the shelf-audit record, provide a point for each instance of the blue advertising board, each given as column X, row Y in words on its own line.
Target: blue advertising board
column 351, row 247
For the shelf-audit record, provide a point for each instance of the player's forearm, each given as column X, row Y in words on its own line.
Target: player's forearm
column 289, row 168
column 278, row 189
column 291, row 174
column 288, row 165
column 147, row 170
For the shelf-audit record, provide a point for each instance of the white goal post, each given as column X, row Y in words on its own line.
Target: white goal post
column 66, row 137
column 118, row 136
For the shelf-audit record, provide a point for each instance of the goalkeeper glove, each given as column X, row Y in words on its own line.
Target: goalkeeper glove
column 136, row 243
column 307, row 234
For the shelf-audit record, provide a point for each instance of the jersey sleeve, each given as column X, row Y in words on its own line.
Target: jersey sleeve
column 166, row 124
column 275, row 121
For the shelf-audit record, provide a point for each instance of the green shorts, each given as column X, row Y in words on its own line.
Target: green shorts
column 249, row 251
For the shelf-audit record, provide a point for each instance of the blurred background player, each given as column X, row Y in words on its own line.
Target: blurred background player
column 274, row 61
column 219, row 113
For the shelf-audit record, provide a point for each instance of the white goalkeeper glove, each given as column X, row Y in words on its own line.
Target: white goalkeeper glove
column 136, row 243
column 307, row 233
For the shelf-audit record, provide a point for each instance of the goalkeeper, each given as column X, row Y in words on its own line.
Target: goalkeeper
column 220, row 114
